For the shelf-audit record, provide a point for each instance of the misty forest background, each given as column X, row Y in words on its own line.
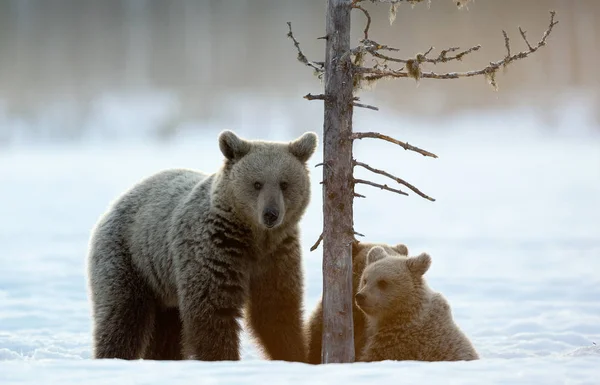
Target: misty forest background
column 71, row 67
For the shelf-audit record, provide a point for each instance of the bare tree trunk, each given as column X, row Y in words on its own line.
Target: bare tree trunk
column 338, row 181
column 338, row 189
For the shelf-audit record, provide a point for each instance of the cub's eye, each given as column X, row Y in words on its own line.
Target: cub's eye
column 257, row 185
column 381, row 284
column 283, row 186
column 364, row 281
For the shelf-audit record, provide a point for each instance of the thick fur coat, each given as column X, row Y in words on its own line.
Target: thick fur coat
column 406, row 320
column 179, row 258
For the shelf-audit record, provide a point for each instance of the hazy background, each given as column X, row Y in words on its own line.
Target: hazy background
column 96, row 95
column 74, row 69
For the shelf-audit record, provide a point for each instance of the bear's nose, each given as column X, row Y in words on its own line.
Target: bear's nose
column 360, row 298
column 270, row 215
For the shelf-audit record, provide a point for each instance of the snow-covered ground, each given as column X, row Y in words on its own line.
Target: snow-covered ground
column 514, row 235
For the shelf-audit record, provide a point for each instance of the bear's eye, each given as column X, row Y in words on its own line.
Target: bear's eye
column 283, row 186
column 364, row 281
column 381, row 284
column 257, row 185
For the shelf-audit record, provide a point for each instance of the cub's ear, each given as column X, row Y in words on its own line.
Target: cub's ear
column 232, row 146
column 419, row 265
column 375, row 254
column 303, row 147
column 401, row 249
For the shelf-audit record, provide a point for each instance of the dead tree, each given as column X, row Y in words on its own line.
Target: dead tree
column 344, row 72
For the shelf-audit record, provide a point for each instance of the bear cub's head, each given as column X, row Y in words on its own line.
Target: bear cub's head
column 268, row 182
column 360, row 250
column 392, row 285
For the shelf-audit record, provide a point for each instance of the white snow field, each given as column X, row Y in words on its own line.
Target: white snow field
column 514, row 235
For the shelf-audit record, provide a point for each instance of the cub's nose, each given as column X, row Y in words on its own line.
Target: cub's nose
column 270, row 216
column 360, row 298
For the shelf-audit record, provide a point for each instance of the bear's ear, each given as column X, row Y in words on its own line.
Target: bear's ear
column 419, row 265
column 401, row 249
column 375, row 254
column 303, row 147
column 232, row 146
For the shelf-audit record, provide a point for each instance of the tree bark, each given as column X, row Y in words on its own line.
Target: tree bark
column 338, row 188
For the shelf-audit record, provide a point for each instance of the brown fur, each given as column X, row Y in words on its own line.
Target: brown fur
column 179, row 258
column 406, row 320
column 166, row 337
column 274, row 311
column 314, row 327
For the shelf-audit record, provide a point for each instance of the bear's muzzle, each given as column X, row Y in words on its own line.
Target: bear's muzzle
column 270, row 216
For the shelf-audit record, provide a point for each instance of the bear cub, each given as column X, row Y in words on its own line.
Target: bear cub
column 180, row 257
column 406, row 320
column 314, row 326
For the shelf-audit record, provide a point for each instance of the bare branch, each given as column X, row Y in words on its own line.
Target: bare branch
column 356, row 195
column 314, row 97
column 365, row 106
column 395, row 178
column 356, row 6
column 317, row 243
column 406, row 146
column 319, row 67
column 443, row 58
column 371, row 74
column 359, row 234
column 373, row 48
column 381, row 186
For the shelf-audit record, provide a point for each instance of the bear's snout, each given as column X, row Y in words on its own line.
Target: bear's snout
column 270, row 216
column 360, row 299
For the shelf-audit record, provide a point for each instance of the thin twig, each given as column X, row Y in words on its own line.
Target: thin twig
column 524, row 36
column 301, row 57
column 365, row 106
column 359, row 234
column 395, row 178
column 428, row 51
column 314, row 247
column 506, row 43
column 357, row 195
column 406, row 146
column 381, row 186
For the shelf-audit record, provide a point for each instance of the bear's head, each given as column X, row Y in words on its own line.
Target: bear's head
column 360, row 250
column 267, row 182
column 392, row 286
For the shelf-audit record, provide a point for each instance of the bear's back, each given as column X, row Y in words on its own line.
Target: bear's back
column 141, row 220
column 157, row 199
column 435, row 337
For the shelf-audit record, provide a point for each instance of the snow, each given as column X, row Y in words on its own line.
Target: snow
column 514, row 235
